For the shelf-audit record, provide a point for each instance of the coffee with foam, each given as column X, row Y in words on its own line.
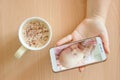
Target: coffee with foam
column 35, row 33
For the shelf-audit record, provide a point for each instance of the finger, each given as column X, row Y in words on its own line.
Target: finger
column 76, row 35
column 105, row 41
column 81, row 69
column 65, row 40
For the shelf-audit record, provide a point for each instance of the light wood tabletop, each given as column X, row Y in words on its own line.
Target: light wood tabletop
column 63, row 16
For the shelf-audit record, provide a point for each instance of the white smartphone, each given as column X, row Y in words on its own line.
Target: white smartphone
column 76, row 54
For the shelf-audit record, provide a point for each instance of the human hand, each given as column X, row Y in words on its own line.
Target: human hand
column 89, row 27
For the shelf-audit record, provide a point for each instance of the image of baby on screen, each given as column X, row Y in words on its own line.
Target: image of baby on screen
column 76, row 54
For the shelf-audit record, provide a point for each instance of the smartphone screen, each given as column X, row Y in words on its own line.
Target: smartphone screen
column 76, row 54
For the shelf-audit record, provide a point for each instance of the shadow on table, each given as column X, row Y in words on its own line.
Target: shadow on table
column 32, row 63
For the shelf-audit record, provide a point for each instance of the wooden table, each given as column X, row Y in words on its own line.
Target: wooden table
column 64, row 16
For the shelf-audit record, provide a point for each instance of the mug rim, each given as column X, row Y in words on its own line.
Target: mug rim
column 20, row 33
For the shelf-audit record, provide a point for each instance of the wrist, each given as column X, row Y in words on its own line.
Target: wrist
column 98, row 18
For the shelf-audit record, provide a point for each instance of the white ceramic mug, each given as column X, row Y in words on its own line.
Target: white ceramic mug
column 25, row 46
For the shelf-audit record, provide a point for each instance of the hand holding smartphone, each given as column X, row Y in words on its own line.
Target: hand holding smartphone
column 76, row 54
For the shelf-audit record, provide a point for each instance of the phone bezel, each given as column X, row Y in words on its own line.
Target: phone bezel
column 53, row 58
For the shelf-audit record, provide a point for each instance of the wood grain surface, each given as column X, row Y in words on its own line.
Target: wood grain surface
column 64, row 16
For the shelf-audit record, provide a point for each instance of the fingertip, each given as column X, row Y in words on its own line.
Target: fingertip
column 81, row 69
column 105, row 42
column 107, row 49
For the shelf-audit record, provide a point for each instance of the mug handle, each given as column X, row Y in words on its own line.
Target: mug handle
column 20, row 52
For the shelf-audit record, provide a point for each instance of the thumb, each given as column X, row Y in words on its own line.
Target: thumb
column 65, row 40
column 105, row 40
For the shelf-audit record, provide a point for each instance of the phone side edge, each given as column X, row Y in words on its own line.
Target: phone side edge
column 53, row 60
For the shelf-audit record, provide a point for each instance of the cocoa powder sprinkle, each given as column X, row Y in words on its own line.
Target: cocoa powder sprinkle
column 35, row 33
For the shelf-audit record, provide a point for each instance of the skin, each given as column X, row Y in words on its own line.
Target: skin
column 92, row 25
